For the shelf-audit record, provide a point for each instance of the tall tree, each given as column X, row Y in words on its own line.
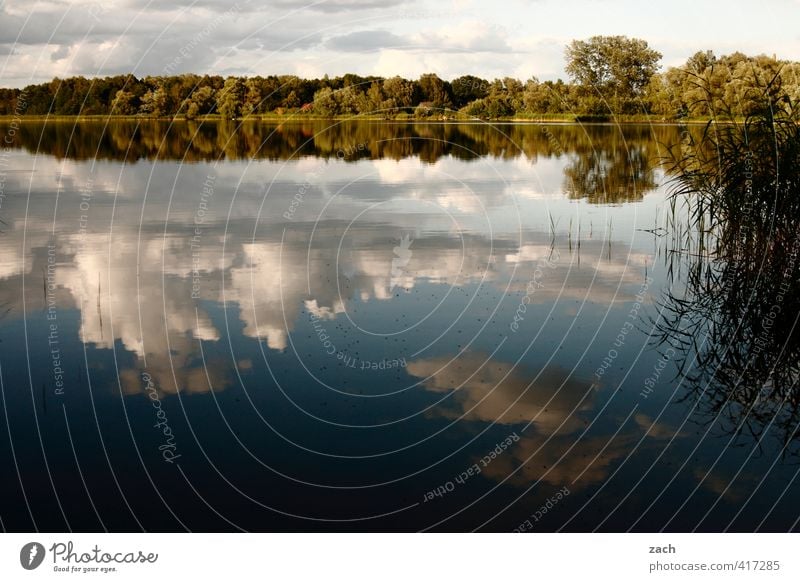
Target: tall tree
column 154, row 102
column 400, row 91
column 617, row 68
column 325, row 102
column 468, row 88
column 230, row 98
column 252, row 96
column 434, row 90
column 374, row 101
column 124, row 103
column 200, row 102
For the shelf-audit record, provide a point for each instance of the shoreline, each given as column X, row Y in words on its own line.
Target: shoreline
column 278, row 119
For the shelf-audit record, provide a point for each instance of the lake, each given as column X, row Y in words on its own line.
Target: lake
column 362, row 326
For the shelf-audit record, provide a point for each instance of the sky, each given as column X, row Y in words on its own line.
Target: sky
column 40, row 40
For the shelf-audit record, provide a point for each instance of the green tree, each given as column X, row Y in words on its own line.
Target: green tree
column 325, row 102
column 513, row 91
column 154, row 102
column 616, row 68
column 200, row 102
column 269, row 88
column 351, row 100
column 700, row 62
column 547, row 97
column 230, row 98
column 295, row 92
column 124, row 103
column 434, row 90
column 292, row 100
column 252, row 96
column 399, row 92
column 467, row 89
column 662, row 97
column 375, row 101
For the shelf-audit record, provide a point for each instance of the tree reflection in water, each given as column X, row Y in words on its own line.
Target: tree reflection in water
column 605, row 164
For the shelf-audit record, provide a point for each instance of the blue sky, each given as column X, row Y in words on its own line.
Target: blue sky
column 43, row 39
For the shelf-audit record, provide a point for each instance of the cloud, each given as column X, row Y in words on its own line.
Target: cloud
column 393, row 36
column 91, row 39
column 491, row 391
column 553, row 448
column 331, row 6
column 553, row 401
column 559, row 461
column 247, row 37
column 468, row 36
column 733, row 489
column 656, row 430
column 365, row 41
column 270, row 282
column 60, row 53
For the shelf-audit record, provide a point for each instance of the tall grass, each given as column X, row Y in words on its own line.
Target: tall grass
column 732, row 312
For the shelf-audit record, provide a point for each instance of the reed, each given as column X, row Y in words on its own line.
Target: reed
column 732, row 311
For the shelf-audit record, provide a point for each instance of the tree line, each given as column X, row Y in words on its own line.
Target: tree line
column 608, row 75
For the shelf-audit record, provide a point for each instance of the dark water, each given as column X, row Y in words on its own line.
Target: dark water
column 358, row 327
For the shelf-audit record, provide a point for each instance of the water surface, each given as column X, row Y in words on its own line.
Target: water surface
column 358, row 326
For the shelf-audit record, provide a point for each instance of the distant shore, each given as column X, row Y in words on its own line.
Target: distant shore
column 302, row 117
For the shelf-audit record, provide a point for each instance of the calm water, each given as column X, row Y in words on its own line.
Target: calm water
column 366, row 326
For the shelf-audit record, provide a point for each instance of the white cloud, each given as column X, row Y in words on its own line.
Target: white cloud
column 389, row 36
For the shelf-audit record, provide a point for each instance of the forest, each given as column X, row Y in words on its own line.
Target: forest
column 608, row 76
